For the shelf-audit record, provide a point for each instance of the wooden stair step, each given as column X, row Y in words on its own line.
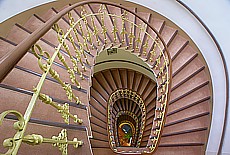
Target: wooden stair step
column 174, row 108
column 99, row 143
column 168, row 34
column 180, row 150
column 100, row 135
column 124, row 79
column 189, row 85
column 188, row 72
column 33, row 23
column 109, row 78
column 48, row 14
column 131, row 79
column 197, row 121
column 177, row 45
column 98, row 97
column 197, row 137
column 102, row 151
column 17, row 78
column 185, row 57
column 99, row 88
column 116, row 77
column 151, row 87
column 16, row 34
column 100, row 121
column 137, row 81
column 97, row 128
column 97, row 105
column 101, row 79
column 6, row 46
column 97, row 113
column 157, row 23
column 202, row 107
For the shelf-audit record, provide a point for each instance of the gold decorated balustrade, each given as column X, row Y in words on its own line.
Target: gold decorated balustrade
column 59, row 141
column 135, row 118
column 131, row 95
column 83, row 38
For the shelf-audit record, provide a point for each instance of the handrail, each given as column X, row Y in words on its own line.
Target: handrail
column 8, row 61
column 131, row 95
column 135, row 118
column 162, row 70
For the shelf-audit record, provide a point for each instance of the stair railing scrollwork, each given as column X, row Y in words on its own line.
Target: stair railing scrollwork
column 75, row 43
column 14, row 143
column 137, row 131
column 129, row 94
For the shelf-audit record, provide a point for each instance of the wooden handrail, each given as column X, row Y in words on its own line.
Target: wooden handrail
column 8, row 61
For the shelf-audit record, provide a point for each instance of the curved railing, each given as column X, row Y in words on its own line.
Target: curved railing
column 85, row 35
column 135, row 118
column 129, row 94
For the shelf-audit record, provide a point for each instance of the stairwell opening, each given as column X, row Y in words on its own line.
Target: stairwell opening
column 128, row 89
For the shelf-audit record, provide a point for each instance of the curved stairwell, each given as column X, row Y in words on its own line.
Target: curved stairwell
column 186, row 127
column 103, row 85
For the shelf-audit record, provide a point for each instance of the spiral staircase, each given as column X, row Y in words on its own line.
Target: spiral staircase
column 115, row 64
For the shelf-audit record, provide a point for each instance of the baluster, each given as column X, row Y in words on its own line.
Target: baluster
column 53, row 73
column 59, row 141
column 14, row 143
column 89, row 36
column 66, row 47
column 145, row 46
column 157, row 62
column 138, row 40
column 79, row 50
column 153, row 52
column 152, row 147
column 95, row 30
column 81, row 46
column 83, row 35
column 115, row 30
column 123, row 30
column 131, row 34
column 104, row 29
column 64, row 109
column 163, row 78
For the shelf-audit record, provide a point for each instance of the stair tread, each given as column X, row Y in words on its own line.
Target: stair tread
column 99, row 143
column 196, row 122
column 33, row 23
column 5, row 47
column 167, row 33
column 188, row 114
column 102, row 151
column 180, row 150
column 16, row 34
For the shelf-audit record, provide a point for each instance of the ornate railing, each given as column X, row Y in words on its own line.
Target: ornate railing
column 85, row 35
column 135, row 118
column 131, row 95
